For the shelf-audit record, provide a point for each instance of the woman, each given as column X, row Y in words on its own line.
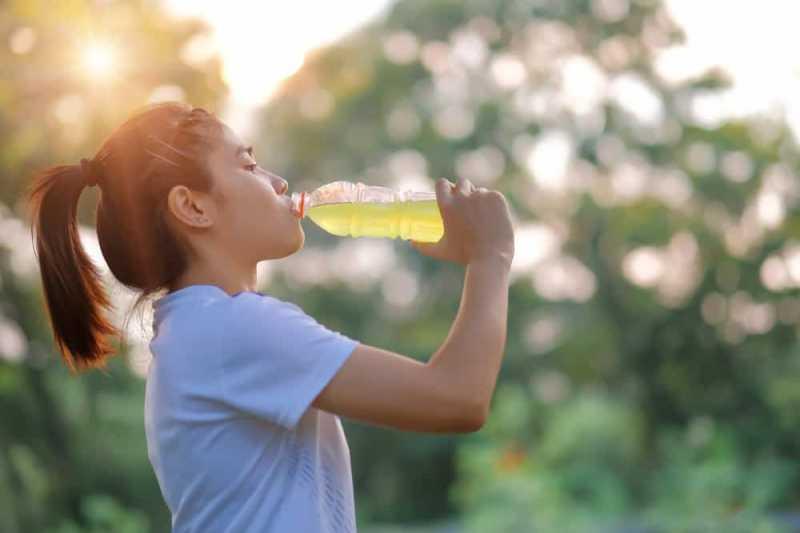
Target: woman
column 244, row 391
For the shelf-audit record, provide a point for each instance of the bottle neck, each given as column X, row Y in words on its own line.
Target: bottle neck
column 300, row 202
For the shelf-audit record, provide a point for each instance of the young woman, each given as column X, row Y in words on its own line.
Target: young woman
column 244, row 391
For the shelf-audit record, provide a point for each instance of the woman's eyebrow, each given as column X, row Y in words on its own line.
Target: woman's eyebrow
column 242, row 149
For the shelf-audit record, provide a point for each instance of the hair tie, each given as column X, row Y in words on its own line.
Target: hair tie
column 89, row 171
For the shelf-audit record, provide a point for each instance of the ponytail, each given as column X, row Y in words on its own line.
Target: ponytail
column 134, row 168
column 73, row 289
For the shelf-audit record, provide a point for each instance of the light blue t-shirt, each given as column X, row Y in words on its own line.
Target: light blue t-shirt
column 231, row 434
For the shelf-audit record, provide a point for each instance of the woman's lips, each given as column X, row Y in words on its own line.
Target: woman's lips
column 292, row 207
column 298, row 201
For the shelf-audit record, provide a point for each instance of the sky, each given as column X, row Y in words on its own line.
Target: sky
column 756, row 43
column 262, row 43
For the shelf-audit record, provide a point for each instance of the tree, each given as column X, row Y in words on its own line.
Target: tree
column 654, row 284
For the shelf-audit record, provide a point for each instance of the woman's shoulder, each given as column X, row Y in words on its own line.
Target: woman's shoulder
column 248, row 309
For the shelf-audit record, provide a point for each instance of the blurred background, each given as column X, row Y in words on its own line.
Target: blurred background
column 648, row 150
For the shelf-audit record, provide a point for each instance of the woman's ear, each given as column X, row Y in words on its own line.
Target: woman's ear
column 193, row 208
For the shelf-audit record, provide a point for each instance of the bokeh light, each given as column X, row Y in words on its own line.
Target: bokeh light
column 100, row 60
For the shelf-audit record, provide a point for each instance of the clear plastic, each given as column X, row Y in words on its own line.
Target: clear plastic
column 357, row 210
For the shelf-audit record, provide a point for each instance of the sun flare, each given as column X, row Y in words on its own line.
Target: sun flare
column 99, row 60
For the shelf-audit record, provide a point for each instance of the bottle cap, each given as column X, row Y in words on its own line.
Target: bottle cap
column 302, row 204
column 300, row 201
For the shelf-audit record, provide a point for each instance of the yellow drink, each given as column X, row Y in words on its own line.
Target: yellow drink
column 413, row 220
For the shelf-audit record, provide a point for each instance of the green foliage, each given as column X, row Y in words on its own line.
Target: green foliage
column 589, row 470
column 579, row 470
column 103, row 514
column 710, row 485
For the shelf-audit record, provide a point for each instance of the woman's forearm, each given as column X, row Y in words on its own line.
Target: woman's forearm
column 471, row 356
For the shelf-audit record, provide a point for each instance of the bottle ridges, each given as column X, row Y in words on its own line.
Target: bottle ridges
column 412, row 220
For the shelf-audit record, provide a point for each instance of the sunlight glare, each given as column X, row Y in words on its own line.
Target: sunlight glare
column 263, row 43
column 99, row 60
column 759, row 58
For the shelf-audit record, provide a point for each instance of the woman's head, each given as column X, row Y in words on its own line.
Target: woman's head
column 177, row 188
column 247, row 216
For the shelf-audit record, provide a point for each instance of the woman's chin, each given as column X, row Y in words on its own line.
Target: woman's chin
column 293, row 247
column 301, row 240
column 285, row 248
column 296, row 249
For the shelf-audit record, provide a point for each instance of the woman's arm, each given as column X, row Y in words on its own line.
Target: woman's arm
column 451, row 392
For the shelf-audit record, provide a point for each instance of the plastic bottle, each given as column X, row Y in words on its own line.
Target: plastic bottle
column 357, row 210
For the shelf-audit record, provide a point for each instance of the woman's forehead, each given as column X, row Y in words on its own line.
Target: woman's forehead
column 230, row 146
column 229, row 149
column 230, row 140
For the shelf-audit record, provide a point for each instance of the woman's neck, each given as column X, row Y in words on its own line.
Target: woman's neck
column 229, row 277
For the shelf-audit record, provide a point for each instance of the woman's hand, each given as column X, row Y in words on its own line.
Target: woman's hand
column 477, row 225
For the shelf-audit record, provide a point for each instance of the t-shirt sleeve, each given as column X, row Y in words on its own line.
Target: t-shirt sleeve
column 277, row 358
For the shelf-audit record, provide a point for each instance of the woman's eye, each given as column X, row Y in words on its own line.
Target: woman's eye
column 252, row 167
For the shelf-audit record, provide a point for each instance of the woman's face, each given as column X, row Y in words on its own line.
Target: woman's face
column 255, row 218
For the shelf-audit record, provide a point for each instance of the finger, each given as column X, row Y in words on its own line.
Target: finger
column 482, row 189
column 464, row 186
column 444, row 191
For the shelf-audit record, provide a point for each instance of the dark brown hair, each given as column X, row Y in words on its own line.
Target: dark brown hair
column 160, row 146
